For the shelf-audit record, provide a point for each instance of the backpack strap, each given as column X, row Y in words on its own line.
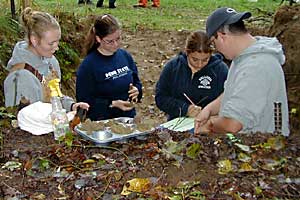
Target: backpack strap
column 28, row 67
column 34, row 71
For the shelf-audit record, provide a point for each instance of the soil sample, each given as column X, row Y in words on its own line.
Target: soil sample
column 120, row 129
column 91, row 126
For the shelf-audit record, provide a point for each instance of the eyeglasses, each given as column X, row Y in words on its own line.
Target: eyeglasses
column 111, row 42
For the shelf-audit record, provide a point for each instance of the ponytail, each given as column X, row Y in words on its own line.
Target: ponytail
column 90, row 41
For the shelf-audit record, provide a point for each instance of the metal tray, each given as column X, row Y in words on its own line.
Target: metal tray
column 100, row 137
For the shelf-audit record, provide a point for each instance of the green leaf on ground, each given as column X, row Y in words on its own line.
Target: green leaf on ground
column 193, row 151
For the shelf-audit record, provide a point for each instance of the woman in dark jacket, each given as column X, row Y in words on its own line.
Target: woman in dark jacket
column 192, row 79
column 108, row 78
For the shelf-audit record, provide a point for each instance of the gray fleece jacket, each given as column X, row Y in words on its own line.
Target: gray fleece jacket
column 23, row 83
column 255, row 81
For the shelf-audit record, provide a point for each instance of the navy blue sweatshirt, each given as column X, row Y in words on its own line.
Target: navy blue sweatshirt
column 202, row 87
column 102, row 79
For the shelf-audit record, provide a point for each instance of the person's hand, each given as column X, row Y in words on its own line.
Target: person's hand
column 133, row 93
column 82, row 105
column 201, row 119
column 203, row 116
column 123, row 105
column 205, row 128
column 193, row 111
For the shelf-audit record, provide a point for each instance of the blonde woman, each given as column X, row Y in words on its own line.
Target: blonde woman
column 33, row 63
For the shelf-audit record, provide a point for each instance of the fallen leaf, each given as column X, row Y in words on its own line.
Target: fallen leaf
column 193, row 151
column 246, row 167
column 118, row 175
column 136, row 185
column 89, row 161
column 224, row 166
column 28, row 165
column 243, row 147
column 12, row 165
column 244, row 157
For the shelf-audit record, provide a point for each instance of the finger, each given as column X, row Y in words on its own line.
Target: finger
column 127, row 108
column 196, row 128
column 197, row 107
column 132, row 89
column 134, row 95
column 199, row 121
column 84, row 105
column 127, row 104
column 194, row 113
column 198, row 111
column 134, row 100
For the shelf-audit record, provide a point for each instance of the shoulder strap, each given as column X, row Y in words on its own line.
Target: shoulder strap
column 17, row 67
column 28, row 67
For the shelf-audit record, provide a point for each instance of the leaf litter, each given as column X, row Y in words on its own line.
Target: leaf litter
column 165, row 165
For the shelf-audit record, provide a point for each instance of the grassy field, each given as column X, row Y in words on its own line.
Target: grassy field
column 172, row 15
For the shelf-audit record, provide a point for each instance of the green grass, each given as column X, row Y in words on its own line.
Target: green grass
column 172, row 15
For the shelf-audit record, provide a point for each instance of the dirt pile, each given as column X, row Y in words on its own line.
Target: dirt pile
column 286, row 28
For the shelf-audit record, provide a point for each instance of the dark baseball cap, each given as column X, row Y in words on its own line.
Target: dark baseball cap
column 223, row 16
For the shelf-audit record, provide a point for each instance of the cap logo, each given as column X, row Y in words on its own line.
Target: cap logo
column 230, row 10
column 104, row 16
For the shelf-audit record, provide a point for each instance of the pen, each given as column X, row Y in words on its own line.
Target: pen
column 186, row 96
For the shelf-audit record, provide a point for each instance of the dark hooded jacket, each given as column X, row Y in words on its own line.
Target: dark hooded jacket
column 202, row 87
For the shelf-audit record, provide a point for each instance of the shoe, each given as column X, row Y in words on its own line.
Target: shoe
column 99, row 3
column 139, row 6
column 85, row 2
column 112, row 6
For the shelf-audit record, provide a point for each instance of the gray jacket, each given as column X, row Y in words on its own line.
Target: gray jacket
column 255, row 81
column 23, row 83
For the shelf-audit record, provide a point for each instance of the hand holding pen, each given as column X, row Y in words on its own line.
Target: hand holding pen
column 193, row 109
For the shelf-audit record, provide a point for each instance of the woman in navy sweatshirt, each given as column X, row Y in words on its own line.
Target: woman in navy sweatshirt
column 107, row 78
column 192, row 79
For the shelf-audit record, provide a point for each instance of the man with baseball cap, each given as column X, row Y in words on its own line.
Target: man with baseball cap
column 255, row 81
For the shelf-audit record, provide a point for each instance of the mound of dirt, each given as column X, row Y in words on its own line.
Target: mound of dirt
column 286, row 28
